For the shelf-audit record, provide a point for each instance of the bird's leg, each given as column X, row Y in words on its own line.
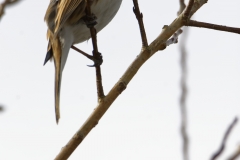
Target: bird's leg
column 89, row 18
column 90, row 21
column 97, row 55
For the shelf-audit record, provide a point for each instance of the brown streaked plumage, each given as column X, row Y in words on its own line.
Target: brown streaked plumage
column 66, row 27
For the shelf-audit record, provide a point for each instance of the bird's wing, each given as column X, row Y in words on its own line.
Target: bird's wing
column 58, row 12
column 50, row 15
column 69, row 10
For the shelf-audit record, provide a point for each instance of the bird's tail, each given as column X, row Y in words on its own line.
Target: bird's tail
column 57, row 56
column 59, row 51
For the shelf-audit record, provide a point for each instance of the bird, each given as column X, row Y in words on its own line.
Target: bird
column 66, row 27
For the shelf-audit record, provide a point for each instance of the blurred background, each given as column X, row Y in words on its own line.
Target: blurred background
column 144, row 122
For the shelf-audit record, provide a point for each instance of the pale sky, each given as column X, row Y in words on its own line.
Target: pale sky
column 144, row 122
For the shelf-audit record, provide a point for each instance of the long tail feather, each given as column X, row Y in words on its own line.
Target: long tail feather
column 57, row 92
column 57, row 54
column 59, row 51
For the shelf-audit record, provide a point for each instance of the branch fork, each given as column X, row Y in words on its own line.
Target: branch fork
column 147, row 51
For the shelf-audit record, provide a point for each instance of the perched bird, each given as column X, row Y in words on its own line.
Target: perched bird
column 66, row 27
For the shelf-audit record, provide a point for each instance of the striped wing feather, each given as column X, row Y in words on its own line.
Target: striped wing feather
column 69, row 11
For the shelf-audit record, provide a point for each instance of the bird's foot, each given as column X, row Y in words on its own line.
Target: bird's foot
column 98, row 60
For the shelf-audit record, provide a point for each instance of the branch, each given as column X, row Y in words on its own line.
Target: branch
column 183, row 98
column 158, row 44
column 191, row 8
column 226, row 135
column 1, row 108
column 213, row 26
column 182, row 7
column 186, row 12
column 174, row 38
column 175, row 25
column 6, row 3
column 196, row 5
column 235, row 155
column 183, row 84
column 139, row 17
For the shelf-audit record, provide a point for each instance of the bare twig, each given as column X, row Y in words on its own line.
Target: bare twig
column 6, row 3
column 183, row 84
column 222, row 147
column 139, row 17
column 186, row 12
column 213, row 26
column 1, row 108
column 183, row 98
column 191, row 9
column 197, row 4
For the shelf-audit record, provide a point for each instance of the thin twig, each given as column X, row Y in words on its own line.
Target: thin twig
column 183, row 85
column 226, row 135
column 1, row 108
column 96, row 54
column 182, row 7
column 139, row 17
column 6, row 3
column 183, row 98
column 212, row 26
column 186, row 12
